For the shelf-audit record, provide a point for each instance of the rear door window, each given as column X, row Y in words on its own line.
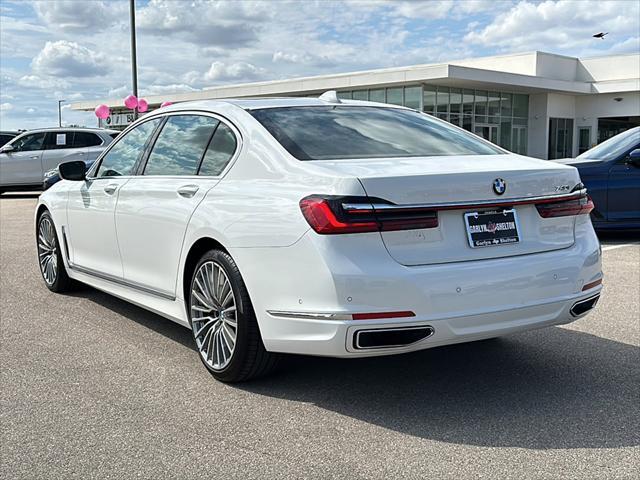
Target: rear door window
column 181, row 145
column 221, row 149
column 58, row 140
column 86, row 139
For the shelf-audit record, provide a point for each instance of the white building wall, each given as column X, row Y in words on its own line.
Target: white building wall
column 538, row 133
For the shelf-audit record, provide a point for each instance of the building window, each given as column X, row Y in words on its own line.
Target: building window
column 560, row 138
column 394, row 96
column 429, row 99
column 412, row 97
column 360, row 95
column 377, row 95
column 345, row 95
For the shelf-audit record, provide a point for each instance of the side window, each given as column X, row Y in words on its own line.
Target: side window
column 121, row 159
column 86, row 139
column 180, row 145
column 4, row 139
column 57, row 140
column 29, row 143
column 221, row 149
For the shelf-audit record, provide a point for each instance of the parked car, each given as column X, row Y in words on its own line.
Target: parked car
column 25, row 159
column 53, row 176
column 611, row 172
column 321, row 226
column 6, row 136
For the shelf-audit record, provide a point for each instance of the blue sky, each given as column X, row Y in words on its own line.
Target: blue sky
column 79, row 50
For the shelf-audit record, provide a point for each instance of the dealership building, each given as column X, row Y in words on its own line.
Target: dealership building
column 539, row 104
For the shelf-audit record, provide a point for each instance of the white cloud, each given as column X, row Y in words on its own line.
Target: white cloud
column 5, row 107
column 64, row 58
column 86, row 16
column 559, row 26
column 242, row 71
column 45, row 83
column 230, row 24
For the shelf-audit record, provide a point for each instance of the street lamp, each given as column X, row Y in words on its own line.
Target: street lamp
column 134, row 61
column 60, row 112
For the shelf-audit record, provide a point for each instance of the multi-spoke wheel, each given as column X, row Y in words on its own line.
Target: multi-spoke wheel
column 49, row 255
column 213, row 315
column 224, row 326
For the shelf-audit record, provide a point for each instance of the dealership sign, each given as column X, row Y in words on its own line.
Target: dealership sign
column 117, row 120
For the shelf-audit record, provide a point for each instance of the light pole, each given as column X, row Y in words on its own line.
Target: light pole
column 134, row 61
column 60, row 112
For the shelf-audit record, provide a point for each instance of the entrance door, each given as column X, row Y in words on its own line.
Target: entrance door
column 488, row 132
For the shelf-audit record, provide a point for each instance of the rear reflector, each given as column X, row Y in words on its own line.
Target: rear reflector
column 579, row 206
column 376, row 315
column 591, row 285
column 327, row 216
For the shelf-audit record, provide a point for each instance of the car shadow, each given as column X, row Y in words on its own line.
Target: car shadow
column 143, row 317
column 622, row 236
column 553, row 388
column 547, row 389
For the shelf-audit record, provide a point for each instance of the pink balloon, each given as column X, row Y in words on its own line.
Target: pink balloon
column 142, row 105
column 131, row 102
column 165, row 104
column 102, row 111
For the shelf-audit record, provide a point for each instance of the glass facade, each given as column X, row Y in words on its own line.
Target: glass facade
column 500, row 117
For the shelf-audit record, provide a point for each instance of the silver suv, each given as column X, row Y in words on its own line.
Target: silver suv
column 26, row 158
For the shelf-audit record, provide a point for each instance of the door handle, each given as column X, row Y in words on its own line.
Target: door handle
column 111, row 188
column 34, row 157
column 188, row 191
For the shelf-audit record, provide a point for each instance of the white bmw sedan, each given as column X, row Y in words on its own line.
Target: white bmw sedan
column 321, row 227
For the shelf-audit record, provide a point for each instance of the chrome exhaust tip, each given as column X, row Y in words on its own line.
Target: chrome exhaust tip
column 390, row 337
column 583, row 306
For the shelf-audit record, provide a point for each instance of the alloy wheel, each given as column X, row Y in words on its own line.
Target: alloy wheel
column 47, row 250
column 213, row 315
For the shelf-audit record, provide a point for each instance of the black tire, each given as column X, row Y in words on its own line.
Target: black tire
column 61, row 283
column 249, row 358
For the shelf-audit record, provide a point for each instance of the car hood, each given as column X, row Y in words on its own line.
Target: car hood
column 579, row 162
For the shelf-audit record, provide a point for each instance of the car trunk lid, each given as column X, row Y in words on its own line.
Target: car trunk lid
column 456, row 186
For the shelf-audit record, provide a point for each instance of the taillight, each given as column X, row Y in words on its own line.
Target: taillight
column 335, row 214
column 576, row 206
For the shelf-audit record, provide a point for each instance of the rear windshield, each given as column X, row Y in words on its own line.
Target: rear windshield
column 344, row 132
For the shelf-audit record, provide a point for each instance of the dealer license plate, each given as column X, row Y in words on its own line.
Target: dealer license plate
column 490, row 229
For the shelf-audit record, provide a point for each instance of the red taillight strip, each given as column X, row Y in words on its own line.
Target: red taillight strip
column 341, row 316
column 373, row 316
column 591, row 285
column 356, row 208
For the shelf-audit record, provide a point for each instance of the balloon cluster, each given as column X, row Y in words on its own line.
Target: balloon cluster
column 136, row 103
column 131, row 102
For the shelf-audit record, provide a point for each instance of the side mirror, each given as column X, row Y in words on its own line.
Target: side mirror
column 7, row 149
column 634, row 158
column 75, row 171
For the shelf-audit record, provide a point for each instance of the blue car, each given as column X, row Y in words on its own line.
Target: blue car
column 611, row 172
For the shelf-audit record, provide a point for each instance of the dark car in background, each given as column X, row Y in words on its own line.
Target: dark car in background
column 611, row 172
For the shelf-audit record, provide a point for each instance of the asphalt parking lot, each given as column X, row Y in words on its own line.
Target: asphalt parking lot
column 92, row 387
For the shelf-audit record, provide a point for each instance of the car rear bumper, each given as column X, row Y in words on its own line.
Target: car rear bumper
column 460, row 301
column 339, row 338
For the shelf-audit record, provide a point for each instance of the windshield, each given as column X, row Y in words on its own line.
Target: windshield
column 614, row 147
column 344, row 132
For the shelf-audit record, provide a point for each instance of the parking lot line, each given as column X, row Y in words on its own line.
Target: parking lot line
column 613, row 247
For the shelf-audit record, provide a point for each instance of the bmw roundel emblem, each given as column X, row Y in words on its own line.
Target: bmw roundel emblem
column 499, row 186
